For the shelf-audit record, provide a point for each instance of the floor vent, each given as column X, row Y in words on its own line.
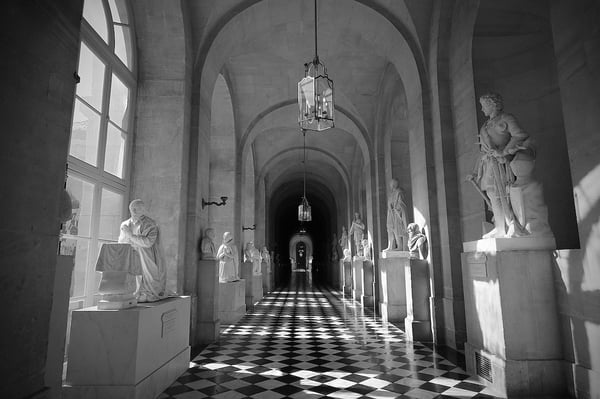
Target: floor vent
column 483, row 367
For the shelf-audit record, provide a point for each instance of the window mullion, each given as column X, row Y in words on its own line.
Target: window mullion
column 90, row 276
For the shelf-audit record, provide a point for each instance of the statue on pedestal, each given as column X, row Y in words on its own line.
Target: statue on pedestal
column 228, row 260
column 357, row 230
column 417, row 242
column 141, row 232
column 396, row 218
column 207, row 246
column 251, row 254
column 266, row 257
column 503, row 174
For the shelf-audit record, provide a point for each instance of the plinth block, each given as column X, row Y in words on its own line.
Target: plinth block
column 392, row 303
column 512, row 319
column 357, row 277
column 232, row 301
column 347, row 273
column 130, row 353
column 254, row 287
column 207, row 314
column 417, row 323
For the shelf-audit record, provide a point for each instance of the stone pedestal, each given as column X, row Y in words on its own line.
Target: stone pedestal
column 254, row 286
column 207, row 314
column 267, row 277
column 392, row 303
column 357, row 277
column 131, row 353
column 417, row 323
column 513, row 336
column 347, row 278
column 232, row 301
column 363, row 271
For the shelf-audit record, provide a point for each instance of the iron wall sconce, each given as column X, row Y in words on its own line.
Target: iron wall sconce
column 223, row 201
column 249, row 228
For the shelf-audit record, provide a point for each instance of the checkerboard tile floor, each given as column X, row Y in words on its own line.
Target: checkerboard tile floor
column 310, row 342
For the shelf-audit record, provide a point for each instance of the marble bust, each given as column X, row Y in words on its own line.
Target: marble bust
column 503, row 174
column 207, row 246
column 228, row 258
column 417, row 242
column 141, row 232
column 347, row 255
column 396, row 218
column 357, row 230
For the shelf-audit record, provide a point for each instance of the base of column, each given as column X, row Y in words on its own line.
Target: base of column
column 517, row 378
column 418, row 330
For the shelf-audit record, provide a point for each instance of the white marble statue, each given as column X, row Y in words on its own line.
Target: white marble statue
column 228, row 260
column 366, row 249
column 207, row 245
column 503, row 171
column 357, row 230
column 141, row 232
column 266, row 257
column 344, row 238
column 417, row 242
column 251, row 254
column 396, row 218
column 347, row 255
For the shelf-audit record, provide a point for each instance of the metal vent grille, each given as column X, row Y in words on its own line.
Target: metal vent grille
column 483, row 367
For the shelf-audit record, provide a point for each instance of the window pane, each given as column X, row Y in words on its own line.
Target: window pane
column 110, row 215
column 123, row 44
column 115, row 151
column 80, row 269
column 84, row 133
column 119, row 103
column 82, row 199
column 93, row 12
column 118, row 10
column 91, row 72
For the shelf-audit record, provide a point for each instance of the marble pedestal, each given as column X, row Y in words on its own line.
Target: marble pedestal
column 392, row 303
column 207, row 311
column 267, row 277
column 357, row 277
column 347, row 278
column 417, row 323
column 254, row 285
column 128, row 354
column 513, row 336
column 232, row 301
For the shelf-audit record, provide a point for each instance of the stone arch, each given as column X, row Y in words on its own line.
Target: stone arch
column 296, row 239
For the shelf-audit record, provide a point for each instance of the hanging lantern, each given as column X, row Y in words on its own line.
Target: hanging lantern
column 304, row 212
column 315, row 94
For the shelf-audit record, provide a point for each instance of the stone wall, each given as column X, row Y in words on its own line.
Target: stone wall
column 40, row 44
column 577, row 48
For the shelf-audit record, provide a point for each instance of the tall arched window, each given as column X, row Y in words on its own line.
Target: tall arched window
column 100, row 147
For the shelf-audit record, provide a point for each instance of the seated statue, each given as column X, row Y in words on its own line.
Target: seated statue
column 417, row 242
column 207, row 246
column 141, row 232
column 228, row 260
column 251, row 254
column 508, row 152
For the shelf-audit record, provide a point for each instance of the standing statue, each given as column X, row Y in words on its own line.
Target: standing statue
column 396, row 218
column 506, row 152
column 207, row 246
column 251, row 254
column 417, row 242
column 366, row 249
column 357, row 230
column 266, row 257
column 228, row 259
column 141, row 232
column 344, row 238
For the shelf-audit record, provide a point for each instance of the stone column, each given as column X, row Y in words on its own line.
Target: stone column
column 513, row 335
column 417, row 323
column 392, row 302
column 208, row 323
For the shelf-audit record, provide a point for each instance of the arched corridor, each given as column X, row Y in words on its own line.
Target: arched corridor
column 306, row 341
